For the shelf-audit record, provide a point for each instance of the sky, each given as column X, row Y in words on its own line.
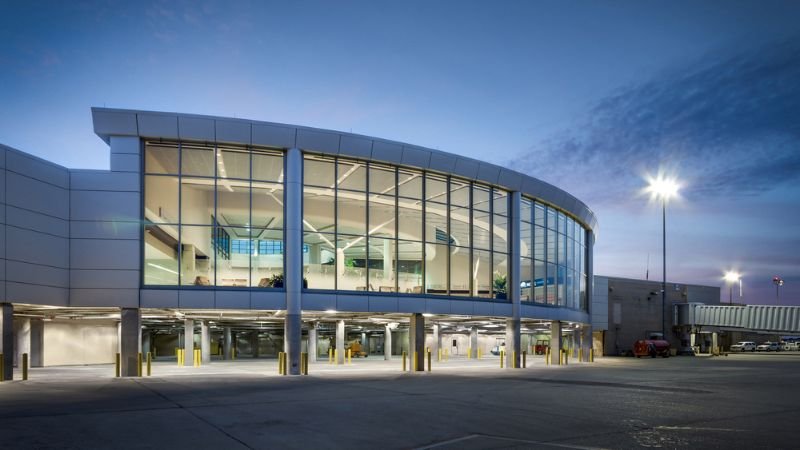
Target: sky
column 592, row 97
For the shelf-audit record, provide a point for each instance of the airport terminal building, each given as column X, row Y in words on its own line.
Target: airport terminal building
column 239, row 236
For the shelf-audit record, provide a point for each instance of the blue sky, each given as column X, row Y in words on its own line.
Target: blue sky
column 590, row 96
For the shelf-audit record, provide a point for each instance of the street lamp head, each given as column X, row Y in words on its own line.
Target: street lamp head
column 732, row 276
column 662, row 187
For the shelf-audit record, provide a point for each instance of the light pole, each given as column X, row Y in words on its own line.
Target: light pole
column 778, row 281
column 733, row 277
column 662, row 188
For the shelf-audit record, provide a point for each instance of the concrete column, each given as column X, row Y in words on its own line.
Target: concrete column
column 188, row 342
column 473, row 342
column 205, row 342
column 255, row 344
column 119, row 337
column 293, row 251
column 387, row 342
column 131, row 339
column 416, row 340
column 513, row 348
column 555, row 341
column 388, row 261
column 7, row 339
column 146, row 342
column 312, row 342
column 340, row 342
column 364, row 343
column 437, row 340
column 586, row 341
column 714, row 341
column 226, row 343
column 22, row 339
column 37, row 343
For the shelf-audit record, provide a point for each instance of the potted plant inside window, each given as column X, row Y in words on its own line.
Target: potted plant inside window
column 500, row 286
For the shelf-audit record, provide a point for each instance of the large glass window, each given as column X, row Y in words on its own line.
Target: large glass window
column 205, row 221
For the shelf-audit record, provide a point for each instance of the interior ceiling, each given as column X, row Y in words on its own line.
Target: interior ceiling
column 168, row 319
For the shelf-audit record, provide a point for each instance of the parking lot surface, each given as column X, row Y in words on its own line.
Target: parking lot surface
column 739, row 401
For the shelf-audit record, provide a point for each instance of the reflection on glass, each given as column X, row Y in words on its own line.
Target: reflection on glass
column 409, row 267
column 318, row 209
column 352, row 175
column 436, row 223
column 161, row 199
column 161, row 254
column 410, row 183
column 267, row 166
column 197, row 160
column 233, row 263
column 409, row 217
column 320, row 260
column 480, row 198
column 460, row 226
column 381, row 215
column 500, row 234
column 500, row 203
column 381, row 180
column 480, row 230
column 538, row 243
column 233, row 203
column 436, row 269
column 435, row 188
column 197, row 201
column 382, row 254
column 551, row 284
column 481, row 272
column 525, row 239
column 351, row 213
column 351, row 270
column 319, row 171
column 161, row 158
column 266, row 260
column 539, row 281
column 500, row 271
column 525, row 282
column 459, row 271
column 199, row 246
column 459, row 193
column 526, row 210
column 233, row 163
column 267, row 209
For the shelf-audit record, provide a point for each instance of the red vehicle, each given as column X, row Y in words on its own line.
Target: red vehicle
column 541, row 346
column 651, row 348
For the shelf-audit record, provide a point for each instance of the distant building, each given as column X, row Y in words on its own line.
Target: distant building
column 625, row 310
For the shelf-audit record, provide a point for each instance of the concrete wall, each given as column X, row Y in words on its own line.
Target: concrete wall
column 76, row 342
column 34, row 229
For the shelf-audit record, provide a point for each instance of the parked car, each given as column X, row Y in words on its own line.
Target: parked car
column 651, row 348
column 791, row 346
column 744, row 346
column 768, row 347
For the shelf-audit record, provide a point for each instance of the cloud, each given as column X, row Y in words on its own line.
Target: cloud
column 727, row 124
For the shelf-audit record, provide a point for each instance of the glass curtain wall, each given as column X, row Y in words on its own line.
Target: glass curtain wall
column 554, row 271
column 213, row 215
column 379, row 228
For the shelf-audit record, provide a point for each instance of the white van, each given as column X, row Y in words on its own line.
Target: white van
column 744, row 346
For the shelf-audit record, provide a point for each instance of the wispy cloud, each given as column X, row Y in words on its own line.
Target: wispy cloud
column 728, row 124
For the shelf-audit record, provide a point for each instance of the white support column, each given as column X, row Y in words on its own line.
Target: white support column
column 555, row 342
column 513, row 348
column 7, row 339
column 312, row 342
column 437, row 340
column 473, row 342
column 188, row 342
column 22, row 339
column 226, row 343
column 130, row 341
column 293, row 250
column 205, row 342
column 387, row 342
column 37, row 343
column 340, row 336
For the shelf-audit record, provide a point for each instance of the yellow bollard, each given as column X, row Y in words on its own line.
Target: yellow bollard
column 502, row 357
column 415, row 361
column 336, row 356
column 429, row 360
column 479, row 353
column 233, row 353
column 524, row 359
column 330, row 356
column 349, row 356
column 280, row 363
column 24, row 366
column 116, row 366
column 469, row 352
column 149, row 363
column 139, row 364
column 404, row 361
column 580, row 354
